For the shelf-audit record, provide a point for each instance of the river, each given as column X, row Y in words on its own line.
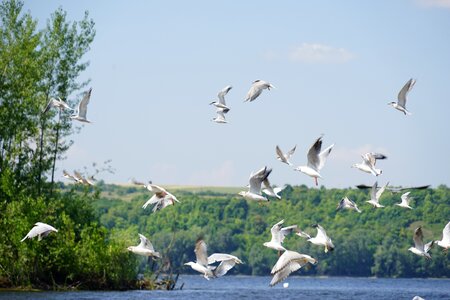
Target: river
column 254, row 287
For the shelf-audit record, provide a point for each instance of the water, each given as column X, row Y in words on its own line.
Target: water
column 251, row 287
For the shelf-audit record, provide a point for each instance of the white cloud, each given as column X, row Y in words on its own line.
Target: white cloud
column 318, row 53
column 435, row 3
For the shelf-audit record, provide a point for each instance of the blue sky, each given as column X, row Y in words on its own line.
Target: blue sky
column 155, row 66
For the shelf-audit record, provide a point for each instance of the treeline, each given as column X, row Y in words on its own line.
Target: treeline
column 372, row 243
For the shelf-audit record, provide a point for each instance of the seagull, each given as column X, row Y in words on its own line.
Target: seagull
column 202, row 264
column 375, row 195
column 144, row 248
column 368, row 163
column 289, row 262
column 82, row 108
column 254, row 192
column 445, row 242
column 395, row 189
column 273, row 192
column 405, row 201
column 257, row 87
column 221, row 95
column 285, row 157
column 316, row 160
column 278, row 234
column 401, row 98
column 321, row 239
column 419, row 248
column 40, row 230
column 80, row 179
column 220, row 118
column 346, row 203
column 69, row 176
column 161, row 198
column 59, row 103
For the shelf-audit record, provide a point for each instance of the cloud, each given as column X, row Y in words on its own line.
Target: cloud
column 434, row 3
column 318, row 53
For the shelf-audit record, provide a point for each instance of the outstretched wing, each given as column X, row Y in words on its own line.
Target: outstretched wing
column 82, row 107
column 201, row 253
column 418, row 239
column 404, row 91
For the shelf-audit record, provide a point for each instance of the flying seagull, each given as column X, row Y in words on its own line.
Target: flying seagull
column 445, row 242
column 321, row 239
column 316, row 160
column 255, row 180
column 80, row 179
column 346, row 203
column 287, row 263
column 273, row 192
column 405, row 201
column 145, row 248
column 40, row 230
column 376, row 194
column 284, row 157
column 82, row 108
column 401, row 98
column 419, row 248
column 278, row 234
column 220, row 117
column 59, row 103
column 368, row 163
column 221, row 95
column 161, row 198
column 256, row 89
column 67, row 175
column 395, row 189
column 202, row 264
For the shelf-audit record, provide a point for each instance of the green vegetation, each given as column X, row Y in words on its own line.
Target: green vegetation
column 373, row 243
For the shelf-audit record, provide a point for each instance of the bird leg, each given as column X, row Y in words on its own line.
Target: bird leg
column 315, row 179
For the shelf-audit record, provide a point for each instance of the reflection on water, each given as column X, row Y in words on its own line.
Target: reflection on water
column 251, row 287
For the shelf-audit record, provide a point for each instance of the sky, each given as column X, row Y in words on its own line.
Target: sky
column 156, row 65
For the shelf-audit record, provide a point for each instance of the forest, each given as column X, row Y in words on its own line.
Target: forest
column 96, row 224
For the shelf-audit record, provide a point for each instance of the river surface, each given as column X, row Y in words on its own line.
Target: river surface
column 253, row 287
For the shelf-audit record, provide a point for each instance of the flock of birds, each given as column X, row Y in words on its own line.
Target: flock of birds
column 259, row 189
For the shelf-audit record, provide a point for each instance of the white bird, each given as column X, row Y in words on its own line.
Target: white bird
column 221, row 95
column 144, row 248
column 316, row 160
column 273, row 192
column 82, row 108
column 80, row 179
column 376, row 194
column 445, row 242
column 284, row 157
column 69, row 176
column 405, row 201
column 278, row 234
column 220, row 117
column 419, row 248
column 161, row 198
column 202, row 263
column 40, row 230
column 322, row 239
column 59, row 103
column 256, row 89
column 255, row 180
column 417, row 298
column 368, row 163
column 401, row 98
column 346, row 203
column 287, row 263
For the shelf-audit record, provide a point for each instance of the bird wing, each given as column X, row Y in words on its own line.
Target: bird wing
column 50, row 104
column 323, row 157
column 418, row 239
column 257, row 178
column 446, row 234
column 154, row 199
column 255, row 91
column 201, row 253
column 302, row 234
column 321, row 233
column 285, row 272
column 134, row 181
column 381, row 191
column 376, row 156
column 428, row 246
column 313, row 154
column 145, row 243
column 404, row 91
column 285, row 231
column 275, row 231
column 280, row 154
column 224, row 267
column 220, row 114
column 373, row 191
column 82, row 106
column 216, row 257
column 291, row 152
column 341, row 204
column 405, row 198
column 222, row 93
